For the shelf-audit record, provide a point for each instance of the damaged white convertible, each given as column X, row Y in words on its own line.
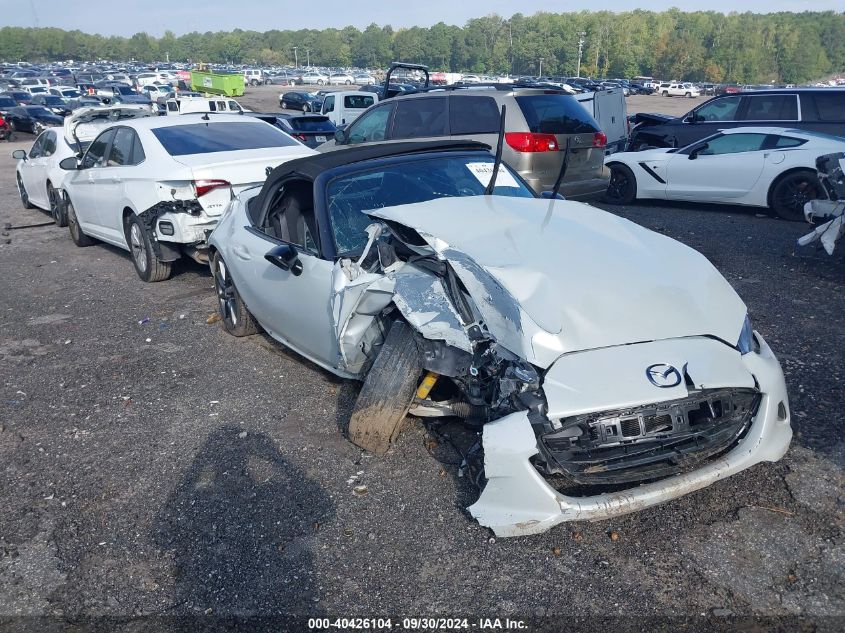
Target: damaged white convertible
column 585, row 349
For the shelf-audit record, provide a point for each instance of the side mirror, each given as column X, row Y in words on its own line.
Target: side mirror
column 548, row 196
column 19, row 154
column 69, row 164
column 285, row 257
column 340, row 137
column 694, row 153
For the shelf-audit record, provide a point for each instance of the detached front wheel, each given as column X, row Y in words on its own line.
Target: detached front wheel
column 387, row 393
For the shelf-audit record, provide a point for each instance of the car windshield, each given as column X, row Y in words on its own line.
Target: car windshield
column 224, row 136
column 54, row 101
column 125, row 90
column 37, row 111
column 406, row 183
column 8, row 102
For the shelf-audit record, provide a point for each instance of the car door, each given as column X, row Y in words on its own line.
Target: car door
column 83, row 186
column 292, row 308
column 34, row 170
column 721, row 168
column 707, row 119
column 110, row 184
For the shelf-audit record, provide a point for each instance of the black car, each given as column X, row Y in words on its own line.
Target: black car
column 810, row 109
column 55, row 104
column 21, row 97
column 304, row 101
column 6, row 104
column 309, row 129
column 32, row 118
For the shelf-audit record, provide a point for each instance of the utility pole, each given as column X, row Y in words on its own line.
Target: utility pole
column 580, row 50
column 540, row 74
column 295, row 57
column 308, row 57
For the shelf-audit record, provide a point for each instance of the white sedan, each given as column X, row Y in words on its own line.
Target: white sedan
column 39, row 177
column 157, row 186
column 754, row 166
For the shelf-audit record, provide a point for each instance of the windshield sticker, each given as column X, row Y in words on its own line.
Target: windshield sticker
column 483, row 172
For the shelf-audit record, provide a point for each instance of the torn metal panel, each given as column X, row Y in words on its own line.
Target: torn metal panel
column 830, row 232
column 517, row 501
column 149, row 218
column 422, row 300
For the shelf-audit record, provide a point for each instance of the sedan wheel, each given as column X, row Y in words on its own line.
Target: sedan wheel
column 57, row 205
column 234, row 314
column 319, row 82
column 24, row 195
column 622, row 188
column 79, row 238
column 348, row 83
column 792, row 192
column 147, row 265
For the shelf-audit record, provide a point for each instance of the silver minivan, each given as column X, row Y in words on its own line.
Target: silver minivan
column 538, row 124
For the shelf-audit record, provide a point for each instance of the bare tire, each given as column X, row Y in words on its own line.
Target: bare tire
column 387, row 392
column 622, row 188
column 233, row 312
column 79, row 238
column 23, row 194
column 792, row 191
column 688, row 95
column 147, row 265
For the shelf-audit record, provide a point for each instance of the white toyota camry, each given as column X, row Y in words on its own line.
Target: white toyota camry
column 157, row 186
column 756, row 166
column 39, row 177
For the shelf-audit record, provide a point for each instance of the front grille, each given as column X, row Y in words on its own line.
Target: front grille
column 651, row 441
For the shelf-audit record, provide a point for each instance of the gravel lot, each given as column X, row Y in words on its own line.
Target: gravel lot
column 162, row 468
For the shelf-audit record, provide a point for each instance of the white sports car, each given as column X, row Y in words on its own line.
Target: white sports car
column 756, row 166
column 39, row 176
column 156, row 186
column 394, row 265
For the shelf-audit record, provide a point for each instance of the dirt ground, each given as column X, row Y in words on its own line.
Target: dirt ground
column 157, row 474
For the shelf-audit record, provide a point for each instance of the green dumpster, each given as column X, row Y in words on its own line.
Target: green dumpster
column 227, row 84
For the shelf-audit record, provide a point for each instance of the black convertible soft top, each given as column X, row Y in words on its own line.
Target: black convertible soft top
column 309, row 167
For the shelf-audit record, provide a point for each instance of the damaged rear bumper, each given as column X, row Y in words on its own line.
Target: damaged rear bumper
column 518, row 501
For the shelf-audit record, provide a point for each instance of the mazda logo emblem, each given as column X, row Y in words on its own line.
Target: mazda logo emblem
column 663, row 375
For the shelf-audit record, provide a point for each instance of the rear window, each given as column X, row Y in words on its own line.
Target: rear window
column 207, row 138
column 311, row 124
column 358, row 101
column 556, row 114
column 831, row 106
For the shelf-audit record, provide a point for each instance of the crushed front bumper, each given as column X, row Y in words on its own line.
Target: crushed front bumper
column 518, row 501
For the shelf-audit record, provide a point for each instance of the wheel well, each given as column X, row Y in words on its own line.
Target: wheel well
column 780, row 177
column 127, row 213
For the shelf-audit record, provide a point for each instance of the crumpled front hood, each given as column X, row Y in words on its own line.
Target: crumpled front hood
column 553, row 277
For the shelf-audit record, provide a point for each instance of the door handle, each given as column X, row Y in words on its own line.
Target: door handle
column 241, row 253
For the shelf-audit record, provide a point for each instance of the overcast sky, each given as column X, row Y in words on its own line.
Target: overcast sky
column 124, row 17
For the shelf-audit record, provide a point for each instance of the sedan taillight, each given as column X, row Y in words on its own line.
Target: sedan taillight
column 202, row 187
column 531, row 142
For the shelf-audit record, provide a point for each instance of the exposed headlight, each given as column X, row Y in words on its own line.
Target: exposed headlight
column 746, row 342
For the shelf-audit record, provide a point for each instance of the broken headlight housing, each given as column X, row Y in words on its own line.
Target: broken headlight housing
column 747, row 343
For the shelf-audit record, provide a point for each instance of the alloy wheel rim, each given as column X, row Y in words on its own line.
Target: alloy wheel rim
column 796, row 192
column 226, row 295
column 22, row 191
column 139, row 251
column 618, row 185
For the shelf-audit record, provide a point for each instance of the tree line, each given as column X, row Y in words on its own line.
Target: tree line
column 695, row 46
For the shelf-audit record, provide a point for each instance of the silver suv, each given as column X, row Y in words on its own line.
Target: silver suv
column 538, row 123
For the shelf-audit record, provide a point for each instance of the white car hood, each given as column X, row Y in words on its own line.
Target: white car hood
column 555, row 277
